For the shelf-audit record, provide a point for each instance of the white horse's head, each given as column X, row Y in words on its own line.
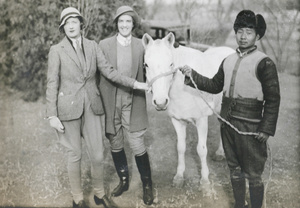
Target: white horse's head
column 159, row 68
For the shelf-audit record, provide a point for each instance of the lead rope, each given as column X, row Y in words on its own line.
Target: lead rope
column 243, row 133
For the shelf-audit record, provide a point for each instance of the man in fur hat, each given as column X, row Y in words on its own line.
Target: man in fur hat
column 125, row 109
column 251, row 98
column 74, row 104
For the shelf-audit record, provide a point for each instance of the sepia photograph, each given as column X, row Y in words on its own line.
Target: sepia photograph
column 150, row 103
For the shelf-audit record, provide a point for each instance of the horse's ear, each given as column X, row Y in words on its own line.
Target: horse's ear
column 170, row 38
column 146, row 40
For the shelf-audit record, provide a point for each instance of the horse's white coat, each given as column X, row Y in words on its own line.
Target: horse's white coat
column 183, row 103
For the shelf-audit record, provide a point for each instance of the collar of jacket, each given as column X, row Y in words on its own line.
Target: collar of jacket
column 250, row 50
column 73, row 41
column 124, row 41
column 68, row 47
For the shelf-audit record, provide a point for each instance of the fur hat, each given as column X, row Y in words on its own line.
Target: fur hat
column 128, row 11
column 247, row 18
column 67, row 13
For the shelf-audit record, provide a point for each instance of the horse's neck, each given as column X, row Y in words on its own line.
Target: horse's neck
column 178, row 61
column 187, row 56
column 196, row 59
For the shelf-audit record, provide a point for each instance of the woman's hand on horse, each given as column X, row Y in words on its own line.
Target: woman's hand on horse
column 186, row 70
column 140, row 86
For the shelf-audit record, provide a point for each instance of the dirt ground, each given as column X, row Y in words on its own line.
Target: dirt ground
column 33, row 165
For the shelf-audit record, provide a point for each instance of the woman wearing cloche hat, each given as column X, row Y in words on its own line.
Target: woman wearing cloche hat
column 125, row 109
column 251, row 99
column 74, row 104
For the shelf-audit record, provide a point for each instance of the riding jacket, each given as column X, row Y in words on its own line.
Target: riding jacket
column 250, row 88
column 108, row 89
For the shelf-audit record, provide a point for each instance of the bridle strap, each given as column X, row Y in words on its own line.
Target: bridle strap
column 162, row 75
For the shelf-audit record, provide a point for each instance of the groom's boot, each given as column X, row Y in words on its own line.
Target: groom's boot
column 239, row 192
column 256, row 195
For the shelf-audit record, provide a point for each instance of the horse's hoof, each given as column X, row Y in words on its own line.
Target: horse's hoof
column 204, row 182
column 218, row 157
column 208, row 190
column 178, row 182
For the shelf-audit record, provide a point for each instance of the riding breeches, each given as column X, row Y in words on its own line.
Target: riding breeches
column 122, row 124
column 88, row 127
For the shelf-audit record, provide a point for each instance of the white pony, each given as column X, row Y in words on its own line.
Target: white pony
column 184, row 103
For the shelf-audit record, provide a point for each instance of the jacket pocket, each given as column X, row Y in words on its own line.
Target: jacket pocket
column 67, row 105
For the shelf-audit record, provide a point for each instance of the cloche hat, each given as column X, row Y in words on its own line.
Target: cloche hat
column 247, row 18
column 126, row 10
column 69, row 12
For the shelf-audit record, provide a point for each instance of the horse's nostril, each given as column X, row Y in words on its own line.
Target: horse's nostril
column 161, row 104
column 167, row 101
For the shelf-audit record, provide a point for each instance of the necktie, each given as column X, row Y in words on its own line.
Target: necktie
column 80, row 56
column 127, row 42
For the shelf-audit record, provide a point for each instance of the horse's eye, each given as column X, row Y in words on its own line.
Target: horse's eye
column 172, row 64
column 145, row 65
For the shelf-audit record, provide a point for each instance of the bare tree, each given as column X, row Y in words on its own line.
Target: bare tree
column 186, row 9
column 284, row 23
column 90, row 9
column 222, row 14
column 154, row 8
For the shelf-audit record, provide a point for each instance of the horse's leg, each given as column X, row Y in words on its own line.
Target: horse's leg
column 220, row 155
column 180, row 128
column 202, row 129
column 206, row 186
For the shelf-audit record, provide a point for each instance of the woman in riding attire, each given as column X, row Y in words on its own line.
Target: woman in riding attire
column 125, row 109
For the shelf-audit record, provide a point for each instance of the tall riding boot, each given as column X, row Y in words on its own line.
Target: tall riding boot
column 239, row 192
column 120, row 162
column 143, row 165
column 256, row 195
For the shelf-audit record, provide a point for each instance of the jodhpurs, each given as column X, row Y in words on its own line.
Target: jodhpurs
column 122, row 126
column 88, row 127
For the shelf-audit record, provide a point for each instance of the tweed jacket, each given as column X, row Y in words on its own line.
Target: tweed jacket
column 138, row 117
column 68, row 85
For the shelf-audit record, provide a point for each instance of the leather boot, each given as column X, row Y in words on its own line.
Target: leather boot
column 143, row 165
column 256, row 195
column 239, row 192
column 105, row 201
column 81, row 204
column 120, row 162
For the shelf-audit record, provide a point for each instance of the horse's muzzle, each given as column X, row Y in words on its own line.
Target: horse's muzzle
column 161, row 106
